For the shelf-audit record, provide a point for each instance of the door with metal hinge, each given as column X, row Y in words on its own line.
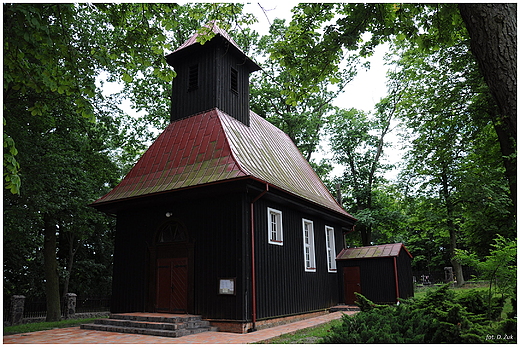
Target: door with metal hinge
column 172, row 285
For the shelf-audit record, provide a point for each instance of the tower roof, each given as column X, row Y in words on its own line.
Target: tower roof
column 213, row 147
column 193, row 44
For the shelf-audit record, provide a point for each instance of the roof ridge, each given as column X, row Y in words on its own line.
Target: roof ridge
column 234, row 155
column 211, row 26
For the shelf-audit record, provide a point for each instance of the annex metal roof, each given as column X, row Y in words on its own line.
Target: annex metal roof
column 214, row 147
column 379, row 251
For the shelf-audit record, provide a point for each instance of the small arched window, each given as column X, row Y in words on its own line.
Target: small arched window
column 171, row 232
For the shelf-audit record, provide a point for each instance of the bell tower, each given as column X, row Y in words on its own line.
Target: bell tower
column 211, row 75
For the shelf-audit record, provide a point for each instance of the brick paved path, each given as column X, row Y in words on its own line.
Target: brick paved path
column 77, row 335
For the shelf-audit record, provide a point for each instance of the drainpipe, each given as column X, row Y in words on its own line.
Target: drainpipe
column 396, row 280
column 253, row 265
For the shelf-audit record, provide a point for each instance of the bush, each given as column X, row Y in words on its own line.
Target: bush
column 439, row 317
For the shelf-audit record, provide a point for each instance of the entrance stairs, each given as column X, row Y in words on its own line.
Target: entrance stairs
column 156, row 324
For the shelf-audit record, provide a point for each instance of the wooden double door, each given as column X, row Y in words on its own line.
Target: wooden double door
column 172, row 285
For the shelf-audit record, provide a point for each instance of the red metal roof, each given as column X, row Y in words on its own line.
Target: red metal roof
column 214, row 147
column 379, row 251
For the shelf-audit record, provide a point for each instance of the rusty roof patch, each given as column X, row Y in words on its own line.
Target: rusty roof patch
column 379, row 251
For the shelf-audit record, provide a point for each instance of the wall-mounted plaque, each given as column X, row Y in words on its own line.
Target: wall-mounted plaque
column 226, row 286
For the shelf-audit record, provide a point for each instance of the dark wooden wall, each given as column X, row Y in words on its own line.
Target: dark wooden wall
column 218, row 228
column 214, row 84
column 404, row 271
column 283, row 285
column 215, row 226
column 377, row 278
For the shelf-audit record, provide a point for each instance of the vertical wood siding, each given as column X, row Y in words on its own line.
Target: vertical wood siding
column 219, row 228
column 214, row 85
column 404, row 271
column 216, row 226
column 377, row 278
column 283, row 285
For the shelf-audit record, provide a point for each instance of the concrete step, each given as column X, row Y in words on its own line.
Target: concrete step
column 156, row 317
column 130, row 330
column 151, row 324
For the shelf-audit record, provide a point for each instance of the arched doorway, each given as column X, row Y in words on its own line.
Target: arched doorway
column 172, row 268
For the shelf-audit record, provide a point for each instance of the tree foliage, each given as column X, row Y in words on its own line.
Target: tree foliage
column 322, row 33
column 303, row 121
column 499, row 267
column 357, row 142
column 65, row 140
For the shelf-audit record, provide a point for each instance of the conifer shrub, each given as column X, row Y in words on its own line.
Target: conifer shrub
column 439, row 317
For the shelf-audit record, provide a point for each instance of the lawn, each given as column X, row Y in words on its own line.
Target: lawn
column 29, row 327
column 308, row 335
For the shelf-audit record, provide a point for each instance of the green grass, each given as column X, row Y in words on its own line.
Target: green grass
column 421, row 291
column 30, row 327
column 307, row 335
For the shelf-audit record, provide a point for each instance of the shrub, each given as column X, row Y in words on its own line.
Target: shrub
column 439, row 317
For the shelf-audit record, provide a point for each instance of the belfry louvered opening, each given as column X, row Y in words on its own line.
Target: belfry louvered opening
column 234, row 80
column 193, row 78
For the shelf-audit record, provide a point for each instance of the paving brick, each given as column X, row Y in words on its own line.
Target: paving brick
column 80, row 336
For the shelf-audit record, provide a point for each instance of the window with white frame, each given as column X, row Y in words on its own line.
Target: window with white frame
column 308, row 246
column 275, row 229
column 331, row 249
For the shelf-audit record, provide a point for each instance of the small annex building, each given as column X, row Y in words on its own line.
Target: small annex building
column 382, row 273
column 222, row 216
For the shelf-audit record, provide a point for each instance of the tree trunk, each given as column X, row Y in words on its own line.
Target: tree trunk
column 492, row 29
column 70, row 265
column 452, row 228
column 366, row 234
column 52, row 287
column 457, row 268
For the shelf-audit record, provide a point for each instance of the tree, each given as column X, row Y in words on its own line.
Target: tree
column 357, row 142
column 499, row 267
column 302, row 121
column 493, row 32
column 321, row 32
column 66, row 166
column 449, row 113
column 55, row 125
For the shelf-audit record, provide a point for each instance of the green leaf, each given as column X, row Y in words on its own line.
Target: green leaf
column 127, row 78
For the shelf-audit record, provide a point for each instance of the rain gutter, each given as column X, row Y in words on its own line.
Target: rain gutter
column 253, row 262
column 396, row 281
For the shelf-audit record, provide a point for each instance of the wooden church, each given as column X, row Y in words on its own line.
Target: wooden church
column 222, row 216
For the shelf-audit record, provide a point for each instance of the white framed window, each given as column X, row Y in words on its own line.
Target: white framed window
column 274, row 226
column 308, row 246
column 331, row 249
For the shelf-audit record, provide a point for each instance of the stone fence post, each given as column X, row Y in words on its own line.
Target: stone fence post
column 17, row 303
column 70, row 302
